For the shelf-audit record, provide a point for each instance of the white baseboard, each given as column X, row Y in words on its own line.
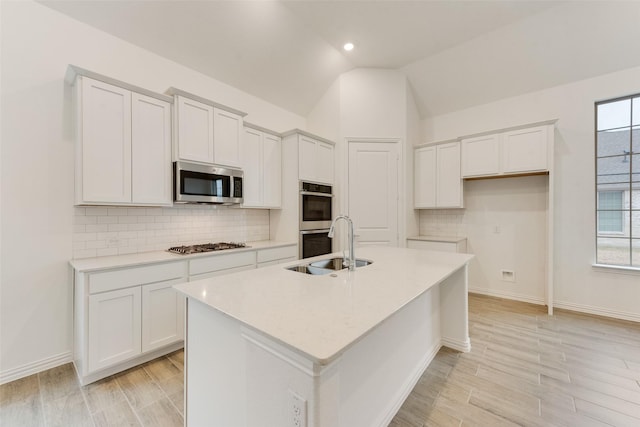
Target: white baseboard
column 35, row 367
column 463, row 346
column 599, row 311
column 408, row 386
column 507, row 295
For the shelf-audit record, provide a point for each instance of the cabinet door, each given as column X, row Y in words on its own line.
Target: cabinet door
column 195, row 130
column 324, row 165
column 114, row 327
column 272, row 167
column 253, row 168
column 307, row 161
column 525, row 150
column 481, row 156
column 448, row 180
column 106, row 143
column 424, row 184
column 151, row 150
column 227, row 131
column 162, row 315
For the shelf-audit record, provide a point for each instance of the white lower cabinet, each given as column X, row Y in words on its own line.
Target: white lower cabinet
column 127, row 316
column 162, row 315
column 114, row 327
column 438, row 244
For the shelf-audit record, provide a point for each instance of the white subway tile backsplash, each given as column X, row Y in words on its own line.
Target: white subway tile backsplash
column 102, row 231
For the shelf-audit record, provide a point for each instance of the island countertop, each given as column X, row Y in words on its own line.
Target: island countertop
column 320, row 316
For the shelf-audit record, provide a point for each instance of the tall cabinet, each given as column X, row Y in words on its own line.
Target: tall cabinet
column 123, row 142
column 305, row 157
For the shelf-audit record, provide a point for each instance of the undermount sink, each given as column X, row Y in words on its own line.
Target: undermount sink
column 326, row 266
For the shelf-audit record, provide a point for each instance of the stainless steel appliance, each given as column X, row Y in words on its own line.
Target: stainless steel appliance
column 314, row 243
column 205, row 247
column 316, row 208
column 197, row 183
column 316, row 202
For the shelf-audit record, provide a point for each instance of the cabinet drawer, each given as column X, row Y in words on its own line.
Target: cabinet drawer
column 277, row 261
column 273, row 254
column 221, row 262
column 118, row 279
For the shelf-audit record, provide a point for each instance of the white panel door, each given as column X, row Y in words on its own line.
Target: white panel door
column 114, row 327
column 252, row 167
column 449, row 181
column 195, row 130
column 525, row 150
column 481, row 156
column 373, row 192
column 227, row 131
column 106, row 143
column 162, row 315
column 324, row 162
column 151, row 150
column 307, row 159
column 272, row 167
column 424, row 182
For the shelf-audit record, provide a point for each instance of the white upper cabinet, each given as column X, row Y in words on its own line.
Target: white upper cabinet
column 262, row 166
column 481, row 156
column 437, row 180
column 123, row 147
column 519, row 151
column 104, row 169
column 151, row 150
column 272, row 154
column 316, row 161
column 525, row 150
column 206, row 132
column 448, row 178
column 424, row 183
column 194, row 124
column 227, row 133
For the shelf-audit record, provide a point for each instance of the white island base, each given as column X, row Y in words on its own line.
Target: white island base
column 237, row 375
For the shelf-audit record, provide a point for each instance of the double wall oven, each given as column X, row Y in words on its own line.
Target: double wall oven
column 316, row 214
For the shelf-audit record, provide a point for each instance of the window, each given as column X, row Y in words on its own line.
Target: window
column 610, row 213
column 618, row 181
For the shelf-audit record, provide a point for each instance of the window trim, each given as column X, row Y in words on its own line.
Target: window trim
column 629, row 236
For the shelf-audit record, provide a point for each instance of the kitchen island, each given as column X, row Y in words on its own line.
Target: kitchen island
column 275, row 347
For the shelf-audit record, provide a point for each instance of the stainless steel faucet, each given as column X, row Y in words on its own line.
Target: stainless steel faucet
column 352, row 257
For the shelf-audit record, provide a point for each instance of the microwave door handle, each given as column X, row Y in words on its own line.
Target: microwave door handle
column 311, row 193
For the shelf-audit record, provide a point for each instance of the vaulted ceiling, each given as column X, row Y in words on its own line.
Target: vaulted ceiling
column 455, row 54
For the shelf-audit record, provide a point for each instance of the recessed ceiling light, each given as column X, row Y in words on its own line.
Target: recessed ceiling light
column 348, row 46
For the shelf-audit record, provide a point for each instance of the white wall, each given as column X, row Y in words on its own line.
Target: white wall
column 37, row 165
column 375, row 104
column 577, row 285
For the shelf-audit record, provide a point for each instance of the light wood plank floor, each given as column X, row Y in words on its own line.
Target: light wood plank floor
column 525, row 368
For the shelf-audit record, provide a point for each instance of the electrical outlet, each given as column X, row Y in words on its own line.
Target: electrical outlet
column 508, row 275
column 298, row 410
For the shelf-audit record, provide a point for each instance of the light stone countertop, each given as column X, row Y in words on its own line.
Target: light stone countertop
column 320, row 316
column 131, row 260
column 447, row 239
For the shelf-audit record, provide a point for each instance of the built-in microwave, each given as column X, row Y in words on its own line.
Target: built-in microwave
column 316, row 202
column 198, row 183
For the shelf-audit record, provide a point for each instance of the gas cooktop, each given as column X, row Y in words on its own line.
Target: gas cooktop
column 205, row 247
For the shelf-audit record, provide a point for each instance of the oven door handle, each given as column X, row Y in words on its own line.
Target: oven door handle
column 311, row 193
column 323, row 231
